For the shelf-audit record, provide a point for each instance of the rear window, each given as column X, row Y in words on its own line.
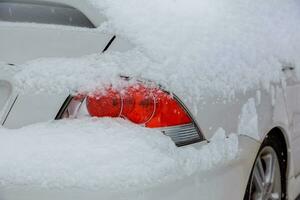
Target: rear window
column 43, row 12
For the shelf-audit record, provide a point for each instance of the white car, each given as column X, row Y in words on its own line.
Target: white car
column 269, row 163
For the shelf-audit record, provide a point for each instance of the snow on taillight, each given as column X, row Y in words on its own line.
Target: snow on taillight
column 138, row 104
column 151, row 107
column 104, row 105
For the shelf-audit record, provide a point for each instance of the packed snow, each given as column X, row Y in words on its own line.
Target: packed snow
column 210, row 46
column 248, row 120
column 102, row 154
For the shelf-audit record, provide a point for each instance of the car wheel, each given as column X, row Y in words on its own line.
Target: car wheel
column 266, row 181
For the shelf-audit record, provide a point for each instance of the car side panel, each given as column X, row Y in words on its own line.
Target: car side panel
column 34, row 108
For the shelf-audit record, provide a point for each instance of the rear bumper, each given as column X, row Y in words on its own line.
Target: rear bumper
column 224, row 182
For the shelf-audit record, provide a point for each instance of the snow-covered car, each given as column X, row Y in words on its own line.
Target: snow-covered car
column 264, row 122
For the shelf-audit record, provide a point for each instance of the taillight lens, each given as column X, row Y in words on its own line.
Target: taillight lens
column 168, row 112
column 138, row 104
column 108, row 104
column 151, row 107
column 147, row 106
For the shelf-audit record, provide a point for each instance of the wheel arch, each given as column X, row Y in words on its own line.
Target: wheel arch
column 280, row 136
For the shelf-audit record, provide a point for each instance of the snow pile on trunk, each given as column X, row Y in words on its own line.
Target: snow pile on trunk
column 208, row 46
column 102, row 154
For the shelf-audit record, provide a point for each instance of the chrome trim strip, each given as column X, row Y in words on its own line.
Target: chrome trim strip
column 183, row 134
column 63, row 107
column 191, row 116
column 12, row 105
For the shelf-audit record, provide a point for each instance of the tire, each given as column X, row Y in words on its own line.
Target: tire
column 267, row 180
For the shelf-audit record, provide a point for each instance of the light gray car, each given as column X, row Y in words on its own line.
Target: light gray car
column 269, row 164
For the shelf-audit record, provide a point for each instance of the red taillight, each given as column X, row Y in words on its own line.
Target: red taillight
column 108, row 104
column 142, row 105
column 138, row 104
column 168, row 112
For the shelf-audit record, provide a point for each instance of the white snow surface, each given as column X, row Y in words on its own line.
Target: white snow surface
column 102, row 154
column 248, row 120
column 208, row 46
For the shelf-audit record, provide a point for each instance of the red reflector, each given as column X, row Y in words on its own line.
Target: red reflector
column 168, row 113
column 104, row 105
column 139, row 104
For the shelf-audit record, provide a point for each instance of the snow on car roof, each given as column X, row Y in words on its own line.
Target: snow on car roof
column 210, row 46
column 102, row 154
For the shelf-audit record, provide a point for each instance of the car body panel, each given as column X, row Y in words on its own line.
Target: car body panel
column 88, row 9
column 293, row 115
column 47, row 41
column 7, row 92
column 18, row 110
column 44, row 108
column 85, row 7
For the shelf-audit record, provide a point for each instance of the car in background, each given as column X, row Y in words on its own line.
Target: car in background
column 269, row 163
